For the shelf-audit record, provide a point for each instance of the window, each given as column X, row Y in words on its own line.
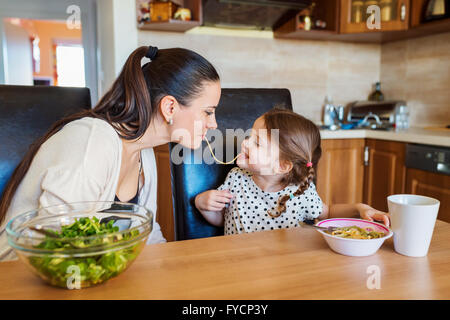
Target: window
column 70, row 65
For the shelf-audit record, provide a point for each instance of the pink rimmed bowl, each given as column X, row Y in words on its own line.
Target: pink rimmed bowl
column 354, row 247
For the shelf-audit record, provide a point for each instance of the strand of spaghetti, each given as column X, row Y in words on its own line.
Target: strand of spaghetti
column 212, row 153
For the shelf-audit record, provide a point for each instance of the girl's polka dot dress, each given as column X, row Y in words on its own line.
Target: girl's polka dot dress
column 247, row 211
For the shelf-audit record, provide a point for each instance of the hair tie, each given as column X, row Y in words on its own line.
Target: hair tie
column 151, row 52
column 309, row 164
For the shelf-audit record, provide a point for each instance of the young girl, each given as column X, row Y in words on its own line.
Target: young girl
column 272, row 187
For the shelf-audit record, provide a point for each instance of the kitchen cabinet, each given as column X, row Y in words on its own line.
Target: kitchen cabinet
column 340, row 171
column 325, row 10
column 164, row 215
column 431, row 185
column 394, row 15
column 361, row 170
column 173, row 25
column 347, row 21
column 384, row 171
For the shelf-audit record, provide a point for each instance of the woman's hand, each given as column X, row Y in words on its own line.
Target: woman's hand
column 213, row 200
column 366, row 212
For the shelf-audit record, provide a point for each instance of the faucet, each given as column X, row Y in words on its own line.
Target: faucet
column 364, row 122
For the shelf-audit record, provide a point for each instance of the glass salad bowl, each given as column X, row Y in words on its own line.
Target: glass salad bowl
column 78, row 245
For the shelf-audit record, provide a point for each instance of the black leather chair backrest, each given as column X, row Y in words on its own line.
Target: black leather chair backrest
column 26, row 113
column 238, row 108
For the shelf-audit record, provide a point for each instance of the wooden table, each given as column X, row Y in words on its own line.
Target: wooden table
column 281, row 264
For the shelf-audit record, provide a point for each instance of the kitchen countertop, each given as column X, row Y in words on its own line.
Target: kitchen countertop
column 293, row 263
column 432, row 136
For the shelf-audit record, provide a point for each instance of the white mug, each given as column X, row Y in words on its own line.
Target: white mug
column 412, row 221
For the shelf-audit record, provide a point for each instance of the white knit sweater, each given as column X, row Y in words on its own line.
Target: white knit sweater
column 81, row 162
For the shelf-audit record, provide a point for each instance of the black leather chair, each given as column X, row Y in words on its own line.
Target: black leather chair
column 238, row 108
column 26, row 113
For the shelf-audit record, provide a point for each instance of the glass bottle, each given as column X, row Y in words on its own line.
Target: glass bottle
column 386, row 10
column 305, row 17
column 357, row 12
column 377, row 95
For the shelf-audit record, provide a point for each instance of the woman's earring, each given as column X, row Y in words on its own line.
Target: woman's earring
column 170, row 122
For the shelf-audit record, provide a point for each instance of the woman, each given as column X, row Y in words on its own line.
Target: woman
column 105, row 153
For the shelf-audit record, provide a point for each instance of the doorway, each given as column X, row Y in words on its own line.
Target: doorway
column 43, row 52
column 49, row 42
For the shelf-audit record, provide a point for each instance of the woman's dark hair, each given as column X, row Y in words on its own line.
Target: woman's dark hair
column 132, row 101
column 299, row 142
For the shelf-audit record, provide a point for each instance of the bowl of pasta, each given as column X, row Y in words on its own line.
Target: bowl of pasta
column 354, row 237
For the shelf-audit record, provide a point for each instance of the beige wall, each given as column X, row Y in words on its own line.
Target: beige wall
column 309, row 69
column 418, row 70
column 116, row 36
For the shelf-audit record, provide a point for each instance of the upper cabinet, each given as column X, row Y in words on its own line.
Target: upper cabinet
column 175, row 16
column 359, row 16
column 372, row 21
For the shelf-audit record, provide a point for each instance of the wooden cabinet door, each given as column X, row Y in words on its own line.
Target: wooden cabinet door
column 399, row 12
column 431, row 185
column 384, row 172
column 340, row 171
column 164, row 214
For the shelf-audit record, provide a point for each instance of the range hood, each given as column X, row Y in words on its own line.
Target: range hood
column 250, row 14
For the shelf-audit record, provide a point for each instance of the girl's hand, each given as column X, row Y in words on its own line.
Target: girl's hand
column 368, row 213
column 213, row 200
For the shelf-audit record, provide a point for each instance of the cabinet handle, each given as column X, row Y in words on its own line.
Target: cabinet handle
column 403, row 11
column 366, row 156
